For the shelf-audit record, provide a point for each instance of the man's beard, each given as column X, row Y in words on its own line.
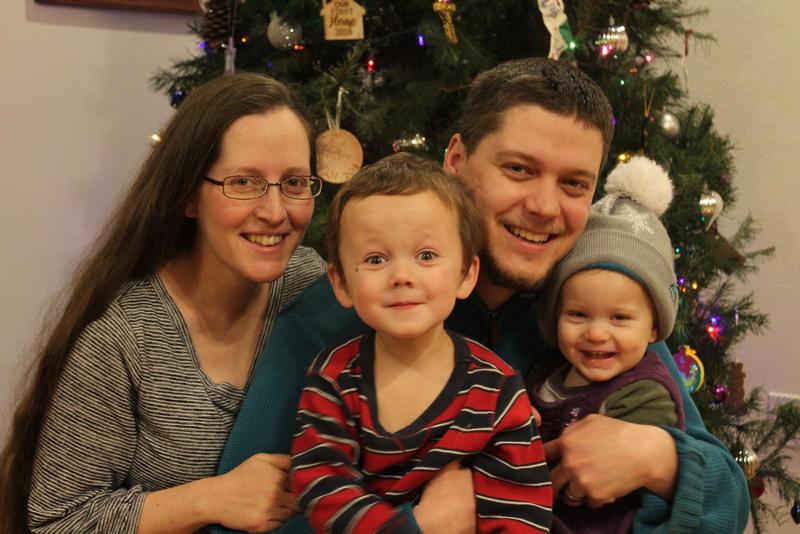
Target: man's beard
column 503, row 278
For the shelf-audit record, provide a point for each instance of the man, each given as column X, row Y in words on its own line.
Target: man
column 532, row 140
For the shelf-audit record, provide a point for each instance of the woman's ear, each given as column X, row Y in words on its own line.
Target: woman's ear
column 190, row 210
column 470, row 278
column 339, row 286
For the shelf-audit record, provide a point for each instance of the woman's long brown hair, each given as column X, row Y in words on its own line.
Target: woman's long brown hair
column 147, row 230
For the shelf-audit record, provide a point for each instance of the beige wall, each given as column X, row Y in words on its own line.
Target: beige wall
column 75, row 113
column 750, row 78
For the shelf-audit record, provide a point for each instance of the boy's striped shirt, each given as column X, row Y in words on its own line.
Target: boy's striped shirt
column 350, row 474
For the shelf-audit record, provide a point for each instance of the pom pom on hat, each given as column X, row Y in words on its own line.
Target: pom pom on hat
column 642, row 180
column 624, row 234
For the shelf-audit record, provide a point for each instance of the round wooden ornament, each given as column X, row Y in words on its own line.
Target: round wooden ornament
column 339, row 155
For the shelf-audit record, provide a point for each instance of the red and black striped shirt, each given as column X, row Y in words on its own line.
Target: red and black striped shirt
column 350, row 474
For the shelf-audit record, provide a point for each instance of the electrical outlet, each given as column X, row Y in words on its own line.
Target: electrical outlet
column 775, row 398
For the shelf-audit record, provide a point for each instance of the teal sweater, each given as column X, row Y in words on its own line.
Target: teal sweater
column 711, row 494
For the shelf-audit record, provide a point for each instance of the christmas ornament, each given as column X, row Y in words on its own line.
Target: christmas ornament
column 648, row 106
column 720, row 392
column 670, row 125
column 154, row 139
column 230, row 58
column 339, row 154
column 344, row 19
column 796, row 512
column 613, row 40
column 711, row 205
column 445, row 10
column 735, row 398
column 418, row 142
column 555, row 20
column 748, row 461
column 690, row 367
column 281, row 35
column 685, row 58
column 756, row 486
column 722, row 248
column 218, row 19
column 176, row 97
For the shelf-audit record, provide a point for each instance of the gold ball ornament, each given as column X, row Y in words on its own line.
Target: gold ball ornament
column 748, row 461
column 711, row 205
column 613, row 40
column 339, row 155
column 625, row 157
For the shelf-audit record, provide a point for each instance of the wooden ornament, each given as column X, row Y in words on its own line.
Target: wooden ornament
column 735, row 398
column 344, row 19
column 339, row 155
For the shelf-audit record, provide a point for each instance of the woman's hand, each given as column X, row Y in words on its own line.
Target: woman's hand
column 256, row 496
column 447, row 504
column 601, row 459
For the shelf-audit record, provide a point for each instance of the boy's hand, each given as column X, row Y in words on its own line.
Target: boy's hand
column 447, row 504
column 536, row 416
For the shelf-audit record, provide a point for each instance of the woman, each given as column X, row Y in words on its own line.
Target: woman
column 136, row 388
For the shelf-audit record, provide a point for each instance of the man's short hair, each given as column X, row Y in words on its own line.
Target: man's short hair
column 553, row 85
column 407, row 174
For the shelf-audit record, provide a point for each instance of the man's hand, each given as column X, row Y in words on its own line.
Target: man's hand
column 601, row 459
column 447, row 504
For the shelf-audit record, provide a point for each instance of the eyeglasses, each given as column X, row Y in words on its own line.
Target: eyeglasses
column 250, row 187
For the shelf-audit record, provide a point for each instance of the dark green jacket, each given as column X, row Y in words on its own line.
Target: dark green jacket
column 711, row 494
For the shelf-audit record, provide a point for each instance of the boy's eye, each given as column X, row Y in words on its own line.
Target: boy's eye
column 620, row 317
column 374, row 259
column 574, row 313
column 426, row 255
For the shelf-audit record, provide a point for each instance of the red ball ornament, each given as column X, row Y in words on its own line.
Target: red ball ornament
column 756, row 486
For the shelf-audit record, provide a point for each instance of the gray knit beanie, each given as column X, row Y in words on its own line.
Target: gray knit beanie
column 623, row 234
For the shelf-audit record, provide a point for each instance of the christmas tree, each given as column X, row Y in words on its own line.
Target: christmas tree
column 395, row 73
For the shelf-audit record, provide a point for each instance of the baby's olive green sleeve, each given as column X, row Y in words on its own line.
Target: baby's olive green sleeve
column 645, row 402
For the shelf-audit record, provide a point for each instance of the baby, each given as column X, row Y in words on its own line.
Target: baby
column 381, row 414
column 610, row 297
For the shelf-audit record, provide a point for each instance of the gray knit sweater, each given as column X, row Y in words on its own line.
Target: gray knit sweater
column 134, row 412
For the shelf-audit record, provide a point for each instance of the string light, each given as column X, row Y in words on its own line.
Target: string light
column 420, row 39
column 713, row 332
column 370, row 65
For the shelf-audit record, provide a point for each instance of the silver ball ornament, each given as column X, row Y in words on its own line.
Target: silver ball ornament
column 282, row 35
column 670, row 125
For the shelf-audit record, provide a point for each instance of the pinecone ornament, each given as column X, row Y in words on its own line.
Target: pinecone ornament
column 217, row 21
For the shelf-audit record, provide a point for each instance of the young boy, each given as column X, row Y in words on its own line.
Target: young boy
column 611, row 296
column 381, row 414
